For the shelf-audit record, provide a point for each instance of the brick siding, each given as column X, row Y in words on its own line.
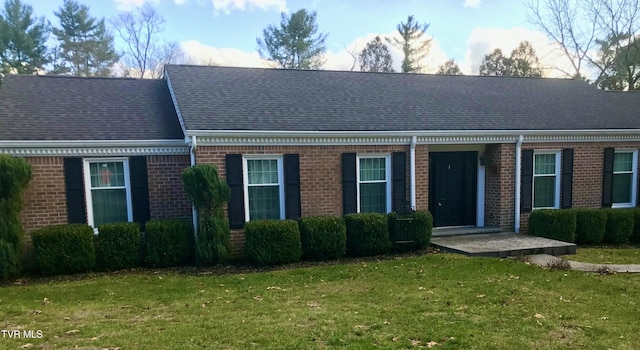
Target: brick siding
column 166, row 193
column 320, row 175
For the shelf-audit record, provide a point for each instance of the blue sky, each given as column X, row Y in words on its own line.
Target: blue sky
column 224, row 31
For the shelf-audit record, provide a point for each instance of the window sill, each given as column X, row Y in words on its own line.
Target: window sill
column 622, row 205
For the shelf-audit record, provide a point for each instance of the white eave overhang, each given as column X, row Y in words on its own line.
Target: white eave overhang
column 85, row 148
column 305, row 138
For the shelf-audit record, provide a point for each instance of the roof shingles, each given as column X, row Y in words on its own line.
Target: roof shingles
column 231, row 98
column 70, row 108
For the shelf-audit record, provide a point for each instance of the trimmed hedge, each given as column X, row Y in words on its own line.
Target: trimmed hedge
column 8, row 264
column 554, row 224
column 63, row 249
column 420, row 227
column 168, row 242
column 635, row 237
column 367, row 234
column 591, row 225
column 619, row 226
column 322, row 237
column 213, row 242
column 118, row 246
column 272, row 242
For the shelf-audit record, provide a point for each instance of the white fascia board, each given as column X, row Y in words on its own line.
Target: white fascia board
column 99, row 148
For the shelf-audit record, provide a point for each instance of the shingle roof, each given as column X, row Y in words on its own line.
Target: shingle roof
column 68, row 108
column 229, row 98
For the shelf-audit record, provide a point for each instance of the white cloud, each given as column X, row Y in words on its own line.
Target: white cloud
column 341, row 59
column 128, row 5
column 472, row 3
column 179, row 2
column 200, row 54
column 482, row 41
column 227, row 6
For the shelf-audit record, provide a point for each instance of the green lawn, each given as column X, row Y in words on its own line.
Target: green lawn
column 607, row 255
column 438, row 300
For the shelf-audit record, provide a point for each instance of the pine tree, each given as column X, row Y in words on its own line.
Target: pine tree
column 375, row 57
column 449, row 68
column 296, row 44
column 412, row 43
column 23, row 39
column 85, row 45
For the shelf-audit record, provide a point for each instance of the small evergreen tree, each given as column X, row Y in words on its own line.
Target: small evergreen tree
column 23, row 38
column 208, row 194
column 15, row 174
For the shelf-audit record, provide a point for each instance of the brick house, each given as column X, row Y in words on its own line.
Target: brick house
column 481, row 151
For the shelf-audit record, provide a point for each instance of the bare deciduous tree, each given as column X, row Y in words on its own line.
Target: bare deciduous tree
column 146, row 52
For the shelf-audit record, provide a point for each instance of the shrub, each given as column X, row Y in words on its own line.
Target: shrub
column 367, row 234
column 322, row 237
column 62, row 249
column 208, row 194
column 557, row 224
column 212, row 243
column 15, row 174
column 272, row 242
column 635, row 237
column 415, row 228
column 8, row 265
column 118, row 246
column 591, row 225
column 168, row 243
column 619, row 226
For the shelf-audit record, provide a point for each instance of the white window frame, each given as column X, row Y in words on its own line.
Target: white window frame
column 88, row 188
column 387, row 158
column 245, row 181
column 634, row 178
column 556, row 199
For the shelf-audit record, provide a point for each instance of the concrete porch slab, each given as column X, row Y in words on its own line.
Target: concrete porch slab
column 463, row 230
column 501, row 245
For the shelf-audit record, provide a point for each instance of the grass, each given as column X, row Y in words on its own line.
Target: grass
column 607, row 255
column 438, row 300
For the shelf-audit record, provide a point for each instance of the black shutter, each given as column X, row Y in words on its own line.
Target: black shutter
column 399, row 185
column 607, row 178
column 293, row 208
column 349, row 193
column 139, row 190
column 567, row 178
column 233, row 167
column 526, row 200
column 73, row 180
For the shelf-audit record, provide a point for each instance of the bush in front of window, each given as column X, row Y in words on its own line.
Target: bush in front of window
column 272, row 242
column 208, row 193
column 367, row 234
column 15, row 175
column 619, row 226
column 118, row 246
column 322, row 237
column 8, row 261
column 635, row 237
column 410, row 231
column 559, row 224
column 168, row 242
column 64, row 249
column 591, row 224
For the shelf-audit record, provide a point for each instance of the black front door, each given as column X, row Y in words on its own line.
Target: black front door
column 452, row 188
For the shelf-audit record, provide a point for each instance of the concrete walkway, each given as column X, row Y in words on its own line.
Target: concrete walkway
column 545, row 260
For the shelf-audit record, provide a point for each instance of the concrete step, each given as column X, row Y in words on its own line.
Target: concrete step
column 501, row 245
column 463, row 230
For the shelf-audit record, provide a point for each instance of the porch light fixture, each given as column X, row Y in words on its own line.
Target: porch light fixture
column 485, row 159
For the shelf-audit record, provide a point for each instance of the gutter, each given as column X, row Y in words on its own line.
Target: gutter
column 412, row 171
column 192, row 152
column 518, row 182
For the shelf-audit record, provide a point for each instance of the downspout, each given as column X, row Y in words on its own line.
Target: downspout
column 194, row 212
column 412, row 171
column 518, row 182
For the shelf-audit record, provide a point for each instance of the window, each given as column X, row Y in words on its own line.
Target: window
column 625, row 165
column 264, row 190
column 374, row 185
column 546, row 180
column 108, row 191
